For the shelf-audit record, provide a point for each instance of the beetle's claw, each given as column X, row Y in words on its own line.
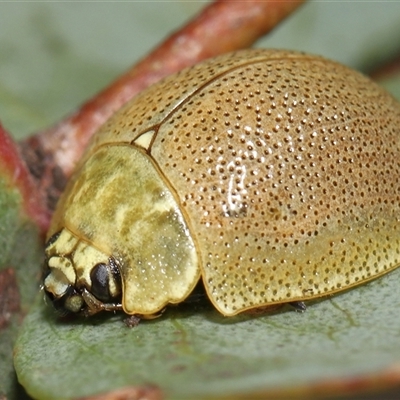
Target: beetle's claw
column 94, row 305
column 299, row 306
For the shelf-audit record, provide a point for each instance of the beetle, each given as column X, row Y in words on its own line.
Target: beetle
column 271, row 175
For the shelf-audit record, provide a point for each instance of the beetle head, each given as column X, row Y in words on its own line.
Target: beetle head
column 78, row 278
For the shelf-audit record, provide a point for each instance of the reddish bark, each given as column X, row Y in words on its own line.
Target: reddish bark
column 53, row 153
column 130, row 393
column 388, row 70
column 16, row 174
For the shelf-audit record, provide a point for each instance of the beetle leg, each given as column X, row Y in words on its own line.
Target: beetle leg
column 299, row 306
column 94, row 305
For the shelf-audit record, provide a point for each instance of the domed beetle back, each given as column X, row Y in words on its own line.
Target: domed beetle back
column 273, row 175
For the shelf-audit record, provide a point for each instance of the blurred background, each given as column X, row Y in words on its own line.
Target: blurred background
column 54, row 55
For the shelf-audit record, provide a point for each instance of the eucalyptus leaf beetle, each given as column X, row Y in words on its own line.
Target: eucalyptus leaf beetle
column 271, row 175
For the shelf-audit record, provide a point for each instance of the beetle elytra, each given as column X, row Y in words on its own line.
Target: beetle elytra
column 274, row 176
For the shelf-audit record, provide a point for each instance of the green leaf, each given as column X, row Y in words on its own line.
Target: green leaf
column 20, row 264
column 193, row 352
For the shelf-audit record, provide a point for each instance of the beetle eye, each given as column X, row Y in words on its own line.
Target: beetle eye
column 106, row 281
column 99, row 276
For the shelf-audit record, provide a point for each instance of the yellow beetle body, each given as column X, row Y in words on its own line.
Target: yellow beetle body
column 272, row 175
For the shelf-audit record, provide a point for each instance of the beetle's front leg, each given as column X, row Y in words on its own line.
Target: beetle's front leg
column 94, row 305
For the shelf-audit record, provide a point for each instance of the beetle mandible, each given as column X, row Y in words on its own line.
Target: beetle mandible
column 271, row 175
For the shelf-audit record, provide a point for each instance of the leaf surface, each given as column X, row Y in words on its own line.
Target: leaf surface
column 193, row 352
